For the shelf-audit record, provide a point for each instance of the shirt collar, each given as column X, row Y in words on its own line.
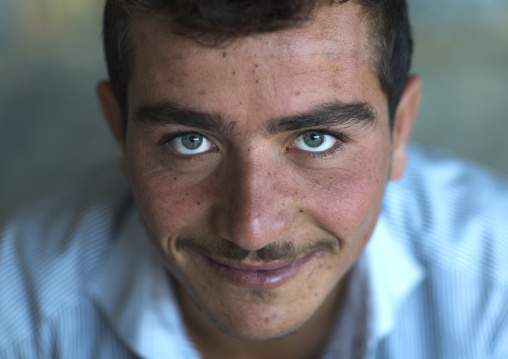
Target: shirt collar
column 377, row 285
column 133, row 291
column 392, row 273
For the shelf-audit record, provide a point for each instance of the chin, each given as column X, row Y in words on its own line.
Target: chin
column 254, row 314
column 259, row 325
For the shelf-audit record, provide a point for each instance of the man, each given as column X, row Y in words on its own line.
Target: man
column 258, row 139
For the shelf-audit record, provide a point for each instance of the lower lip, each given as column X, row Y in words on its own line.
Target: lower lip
column 263, row 279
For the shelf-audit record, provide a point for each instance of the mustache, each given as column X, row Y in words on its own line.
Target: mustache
column 282, row 250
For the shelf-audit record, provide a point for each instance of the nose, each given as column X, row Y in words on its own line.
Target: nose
column 254, row 211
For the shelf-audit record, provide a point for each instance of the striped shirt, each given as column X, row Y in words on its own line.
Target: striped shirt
column 79, row 278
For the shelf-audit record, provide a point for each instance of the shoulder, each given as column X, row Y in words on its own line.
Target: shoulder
column 49, row 250
column 452, row 219
column 451, row 214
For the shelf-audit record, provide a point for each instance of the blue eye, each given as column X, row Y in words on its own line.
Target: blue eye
column 191, row 144
column 315, row 141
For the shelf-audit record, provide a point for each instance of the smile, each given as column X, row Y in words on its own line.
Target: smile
column 262, row 276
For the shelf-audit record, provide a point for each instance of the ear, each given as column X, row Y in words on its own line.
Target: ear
column 113, row 116
column 405, row 116
column 111, row 111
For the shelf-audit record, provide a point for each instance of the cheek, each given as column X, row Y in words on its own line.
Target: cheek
column 163, row 207
column 167, row 200
column 346, row 200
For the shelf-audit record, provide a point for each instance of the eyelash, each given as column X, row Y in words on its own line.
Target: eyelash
column 171, row 136
column 165, row 140
column 340, row 136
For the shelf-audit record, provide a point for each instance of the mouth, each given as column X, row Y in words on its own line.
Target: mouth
column 262, row 276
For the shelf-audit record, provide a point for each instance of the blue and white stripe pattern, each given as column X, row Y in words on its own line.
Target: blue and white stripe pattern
column 79, row 279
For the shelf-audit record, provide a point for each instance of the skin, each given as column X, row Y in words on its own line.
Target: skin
column 254, row 189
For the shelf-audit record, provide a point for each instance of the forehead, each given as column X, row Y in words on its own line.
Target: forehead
column 326, row 59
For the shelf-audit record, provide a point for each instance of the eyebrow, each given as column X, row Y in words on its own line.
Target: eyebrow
column 330, row 114
column 168, row 113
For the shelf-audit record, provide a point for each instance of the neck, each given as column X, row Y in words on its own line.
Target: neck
column 307, row 342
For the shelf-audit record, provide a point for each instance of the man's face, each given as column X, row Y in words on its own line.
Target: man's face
column 259, row 167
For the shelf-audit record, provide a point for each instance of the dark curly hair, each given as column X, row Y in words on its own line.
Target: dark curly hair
column 211, row 22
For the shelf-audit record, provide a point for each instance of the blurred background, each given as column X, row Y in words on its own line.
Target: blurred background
column 51, row 58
